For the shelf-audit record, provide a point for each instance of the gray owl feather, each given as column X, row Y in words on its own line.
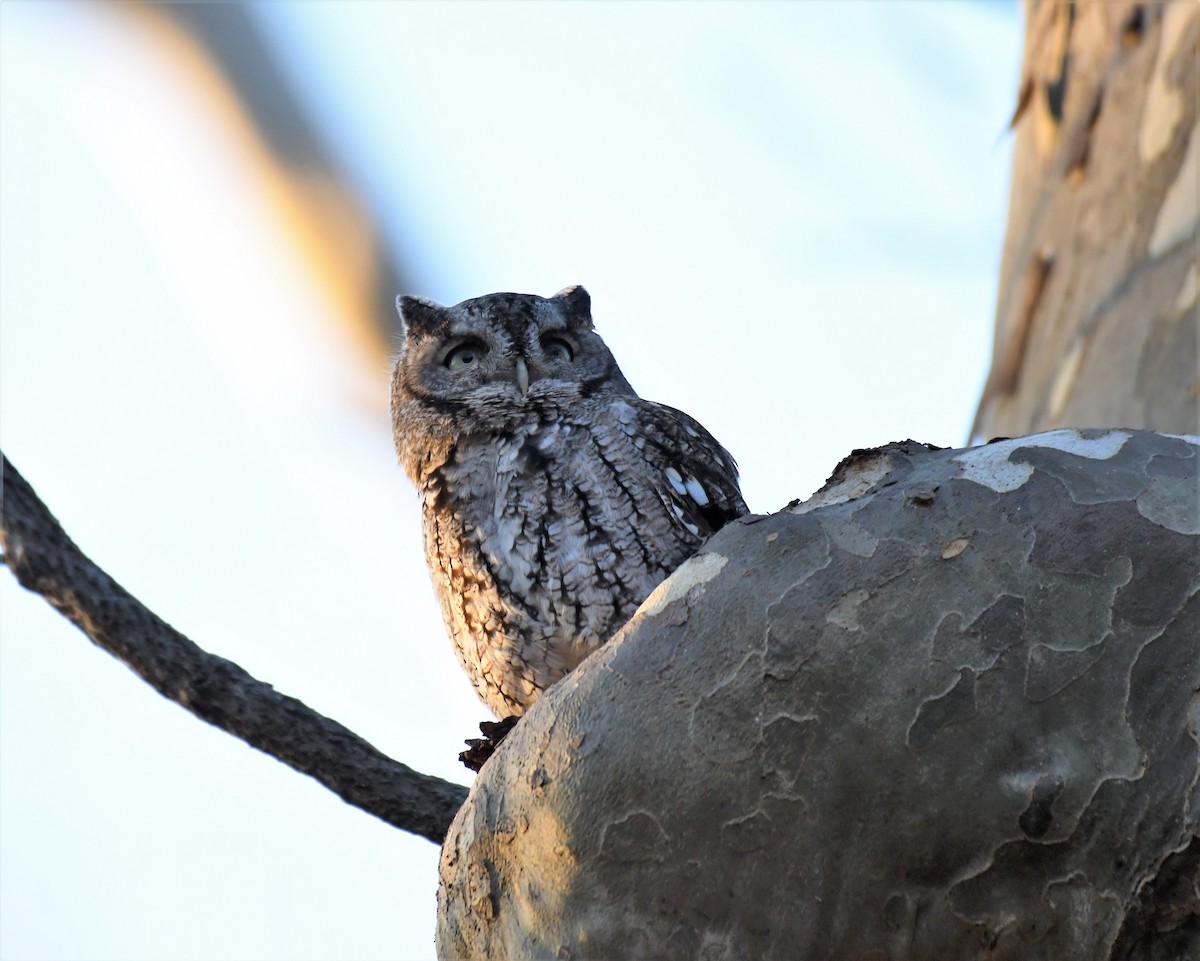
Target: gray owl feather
column 554, row 498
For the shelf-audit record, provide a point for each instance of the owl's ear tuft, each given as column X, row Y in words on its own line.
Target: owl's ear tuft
column 419, row 316
column 577, row 305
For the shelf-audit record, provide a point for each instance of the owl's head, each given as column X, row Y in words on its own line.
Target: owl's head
column 492, row 364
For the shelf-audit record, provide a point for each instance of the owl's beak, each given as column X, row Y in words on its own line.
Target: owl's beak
column 522, row 376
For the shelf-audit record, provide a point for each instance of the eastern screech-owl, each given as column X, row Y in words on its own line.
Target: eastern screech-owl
column 554, row 498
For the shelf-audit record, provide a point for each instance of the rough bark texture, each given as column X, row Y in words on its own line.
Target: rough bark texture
column 948, row 708
column 46, row 561
column 1097, row 322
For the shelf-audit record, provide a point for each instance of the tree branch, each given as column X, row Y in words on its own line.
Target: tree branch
column 45, row 560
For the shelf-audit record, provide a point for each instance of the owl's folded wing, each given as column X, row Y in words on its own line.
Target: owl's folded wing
column 700, row 481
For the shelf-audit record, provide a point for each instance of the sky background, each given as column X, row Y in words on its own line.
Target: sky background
column 789, row 217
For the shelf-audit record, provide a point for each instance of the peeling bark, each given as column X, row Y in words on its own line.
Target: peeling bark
column 1097, row 317
column 950, row 707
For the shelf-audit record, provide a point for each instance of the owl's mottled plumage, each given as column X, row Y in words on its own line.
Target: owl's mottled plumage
column 554, row 498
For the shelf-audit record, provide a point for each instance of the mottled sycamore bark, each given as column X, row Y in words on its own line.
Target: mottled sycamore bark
column 1097, row 318
column 948, row 708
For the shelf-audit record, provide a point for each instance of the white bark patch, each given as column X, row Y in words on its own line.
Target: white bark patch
column 692, row 573
column 1064, row 380
column 1177, row 216
column 1187, row 293
column 1164, row 102
column 862, row 477
column 1162, row 505
column 990, row 465
column 850, row 536
column 844, row 612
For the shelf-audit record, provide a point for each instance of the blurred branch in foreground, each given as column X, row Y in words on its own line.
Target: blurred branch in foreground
column 223, row 50
column 45, row 560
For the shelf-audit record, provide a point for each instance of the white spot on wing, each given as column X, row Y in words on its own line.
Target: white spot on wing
column 697, row 491
column 676, row 480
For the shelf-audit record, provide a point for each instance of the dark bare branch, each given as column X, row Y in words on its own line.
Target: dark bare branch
column 45, row 560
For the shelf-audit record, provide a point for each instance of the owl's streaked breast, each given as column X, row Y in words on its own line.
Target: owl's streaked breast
column 546, row 542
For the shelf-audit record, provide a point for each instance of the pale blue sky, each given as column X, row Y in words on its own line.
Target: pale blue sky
column 789, row 217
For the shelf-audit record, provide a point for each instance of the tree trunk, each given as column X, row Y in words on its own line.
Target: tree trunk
column 1096, row 323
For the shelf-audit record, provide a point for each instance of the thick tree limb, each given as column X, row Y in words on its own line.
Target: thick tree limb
column 45, row 560
column 949, row 707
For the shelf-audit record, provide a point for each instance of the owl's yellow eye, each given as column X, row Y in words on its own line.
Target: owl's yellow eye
column 465, row 355
column 558, row 349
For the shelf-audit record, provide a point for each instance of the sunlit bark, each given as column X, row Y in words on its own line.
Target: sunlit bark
column 1097, row 318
